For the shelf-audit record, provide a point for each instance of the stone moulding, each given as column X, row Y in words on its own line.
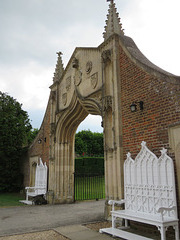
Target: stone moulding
column 68, row 83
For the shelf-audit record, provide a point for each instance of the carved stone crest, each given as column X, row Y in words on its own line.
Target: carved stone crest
column 78, row 78
column 106, row 56
column 68, row 83
column 75, row 63
column 64, row 98
column 88, row 66
column 94, row 80
column 108, row 149
column 107, row 103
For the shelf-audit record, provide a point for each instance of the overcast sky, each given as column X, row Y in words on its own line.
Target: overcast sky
column 32, row 31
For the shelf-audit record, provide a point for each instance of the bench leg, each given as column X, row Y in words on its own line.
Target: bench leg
column 126, row 223
column 176, row 228
column 27, row 195
column 163, row 232
column 113, row 224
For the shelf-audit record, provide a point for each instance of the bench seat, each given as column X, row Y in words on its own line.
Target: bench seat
column 144, row 217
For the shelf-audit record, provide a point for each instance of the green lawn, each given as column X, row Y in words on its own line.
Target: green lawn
column 11, row 199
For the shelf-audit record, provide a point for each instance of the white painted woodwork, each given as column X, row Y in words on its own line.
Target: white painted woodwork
column 40, row 187
column 149, row 194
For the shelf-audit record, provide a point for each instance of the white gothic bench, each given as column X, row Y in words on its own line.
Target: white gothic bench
column 149, row 195
column 40, row 187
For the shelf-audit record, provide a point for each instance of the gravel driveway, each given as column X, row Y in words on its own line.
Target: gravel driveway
column 18, row 220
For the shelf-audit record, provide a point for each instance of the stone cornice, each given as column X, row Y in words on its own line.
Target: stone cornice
column 140, row 60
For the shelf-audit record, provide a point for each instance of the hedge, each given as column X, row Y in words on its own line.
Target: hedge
column 89, row 165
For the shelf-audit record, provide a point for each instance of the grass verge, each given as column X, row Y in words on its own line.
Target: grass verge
column 11, row 199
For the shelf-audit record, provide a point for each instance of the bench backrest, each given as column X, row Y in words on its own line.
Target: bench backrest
column 41, row 178
column 149, row 182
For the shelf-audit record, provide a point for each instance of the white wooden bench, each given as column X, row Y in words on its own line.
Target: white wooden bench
column 149, row 195
column 40, row 187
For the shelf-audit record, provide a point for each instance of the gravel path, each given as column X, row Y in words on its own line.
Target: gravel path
column 45, row 235
column 27, row 219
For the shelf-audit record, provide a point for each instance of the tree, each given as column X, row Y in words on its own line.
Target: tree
column 14, row 130
column 80, row 147
column 32, row 134
column 89, row 143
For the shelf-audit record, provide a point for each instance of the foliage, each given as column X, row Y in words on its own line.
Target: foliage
column 90, row 165
column 89, row 143
column 14, row 130
column 32, row 134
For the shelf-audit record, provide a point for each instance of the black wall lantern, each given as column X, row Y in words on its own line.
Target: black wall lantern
column 133, row 106
column 141, row 105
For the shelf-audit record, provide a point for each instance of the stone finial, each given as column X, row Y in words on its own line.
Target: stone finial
column 59, row 68
column 113, row 24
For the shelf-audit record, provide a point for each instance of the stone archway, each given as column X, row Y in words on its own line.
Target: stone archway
column 61, row 177
column 89, row 85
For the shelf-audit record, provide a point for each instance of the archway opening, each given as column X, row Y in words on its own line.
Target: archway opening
column 92, row 123
column 89, row 179
column 62, row 166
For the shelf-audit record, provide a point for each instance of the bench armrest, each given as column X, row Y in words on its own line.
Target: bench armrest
column 163, row 210
column 118, row 202
column 27, row 188
column 34, row 188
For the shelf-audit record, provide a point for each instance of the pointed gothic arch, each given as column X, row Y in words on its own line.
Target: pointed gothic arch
column 62, row 181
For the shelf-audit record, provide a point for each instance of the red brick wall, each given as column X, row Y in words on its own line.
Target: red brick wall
column 160, row 107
